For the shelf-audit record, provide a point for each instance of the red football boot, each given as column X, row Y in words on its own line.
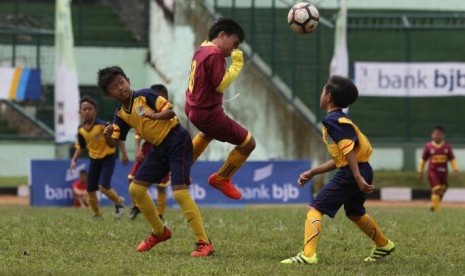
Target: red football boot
column 202, row 249
column 225, row 186
column 153, row 240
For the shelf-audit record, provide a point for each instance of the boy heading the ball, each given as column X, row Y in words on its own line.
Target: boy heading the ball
column 153, row 118
column 204, row 101
column 350, row 151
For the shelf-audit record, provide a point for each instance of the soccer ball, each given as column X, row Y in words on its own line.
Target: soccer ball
column 303, row 18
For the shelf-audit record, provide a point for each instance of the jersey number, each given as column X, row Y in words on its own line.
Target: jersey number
column 192, row 75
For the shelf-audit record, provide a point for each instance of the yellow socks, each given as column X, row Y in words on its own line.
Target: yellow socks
column 435, row 200
column 368, row 225
column 232, row 164
column 111, row 194
column 93, row 202
column 313, row 228
column 161, row 201
column 191, row 213
column 147, row 207
column 199, row 145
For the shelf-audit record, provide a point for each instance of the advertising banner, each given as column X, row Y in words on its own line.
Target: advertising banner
column 263, row 182
column 412, row 79
column 20, row 84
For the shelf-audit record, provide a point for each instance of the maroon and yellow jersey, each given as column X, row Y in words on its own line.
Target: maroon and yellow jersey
column 208, row 69
column 438, row 156
column 93, row 140
column 152, row 131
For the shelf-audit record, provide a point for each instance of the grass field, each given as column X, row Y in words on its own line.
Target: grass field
column 250, row 241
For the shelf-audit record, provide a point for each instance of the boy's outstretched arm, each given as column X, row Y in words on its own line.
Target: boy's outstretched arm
column 307, row 175
column 353, row 165
column 76, row 155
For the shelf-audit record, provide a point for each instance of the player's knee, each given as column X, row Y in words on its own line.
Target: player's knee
column 133, row 191
column 437, row 190
column 252, row 144
column 247, row 148
column 353, row 218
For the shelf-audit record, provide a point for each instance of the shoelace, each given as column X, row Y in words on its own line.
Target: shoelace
column 199, row 246
column 150, row 239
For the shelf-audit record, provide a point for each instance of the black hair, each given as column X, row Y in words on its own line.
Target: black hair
column 83, row 172
column 106, row 75
column 160, row 89
column 87, row 99
column 228, row 26
column 343, row 91
column 440, row 128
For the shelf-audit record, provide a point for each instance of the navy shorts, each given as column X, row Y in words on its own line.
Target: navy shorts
column 100, row 172
column 343, row 190
column 173, row 155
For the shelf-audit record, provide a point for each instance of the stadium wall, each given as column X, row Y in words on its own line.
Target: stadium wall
column 88, row 61
column 15, row 156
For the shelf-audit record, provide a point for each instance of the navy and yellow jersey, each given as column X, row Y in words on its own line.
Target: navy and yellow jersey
column 153, row 131
column 93, row 140
column 341, row 136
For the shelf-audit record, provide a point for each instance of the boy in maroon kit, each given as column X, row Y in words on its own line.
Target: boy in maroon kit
column 204, row 101
column 438, row 152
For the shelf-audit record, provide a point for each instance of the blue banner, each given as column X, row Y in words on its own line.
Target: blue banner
column 262, row 182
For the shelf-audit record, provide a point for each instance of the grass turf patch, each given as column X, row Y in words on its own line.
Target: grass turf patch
column 249, row 241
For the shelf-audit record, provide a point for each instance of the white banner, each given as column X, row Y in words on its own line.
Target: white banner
column 414, row 79
column 340, row 62
column 66, row 82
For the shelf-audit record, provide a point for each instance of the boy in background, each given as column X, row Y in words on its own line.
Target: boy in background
column 437, row 153
column 80, row 191
column 350, row 151
column 102, row 157
column 141, row 153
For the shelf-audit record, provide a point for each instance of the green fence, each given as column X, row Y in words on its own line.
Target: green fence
column 302, row 61
column 94, row 24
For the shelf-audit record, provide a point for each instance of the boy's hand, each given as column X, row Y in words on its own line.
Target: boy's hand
column 237, row 56
column 304, row 178
column 124, row 158
column 364, row 186
column 150, row 114
column 108, row 131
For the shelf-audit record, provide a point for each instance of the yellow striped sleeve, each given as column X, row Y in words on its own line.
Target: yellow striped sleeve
column 346, row 146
